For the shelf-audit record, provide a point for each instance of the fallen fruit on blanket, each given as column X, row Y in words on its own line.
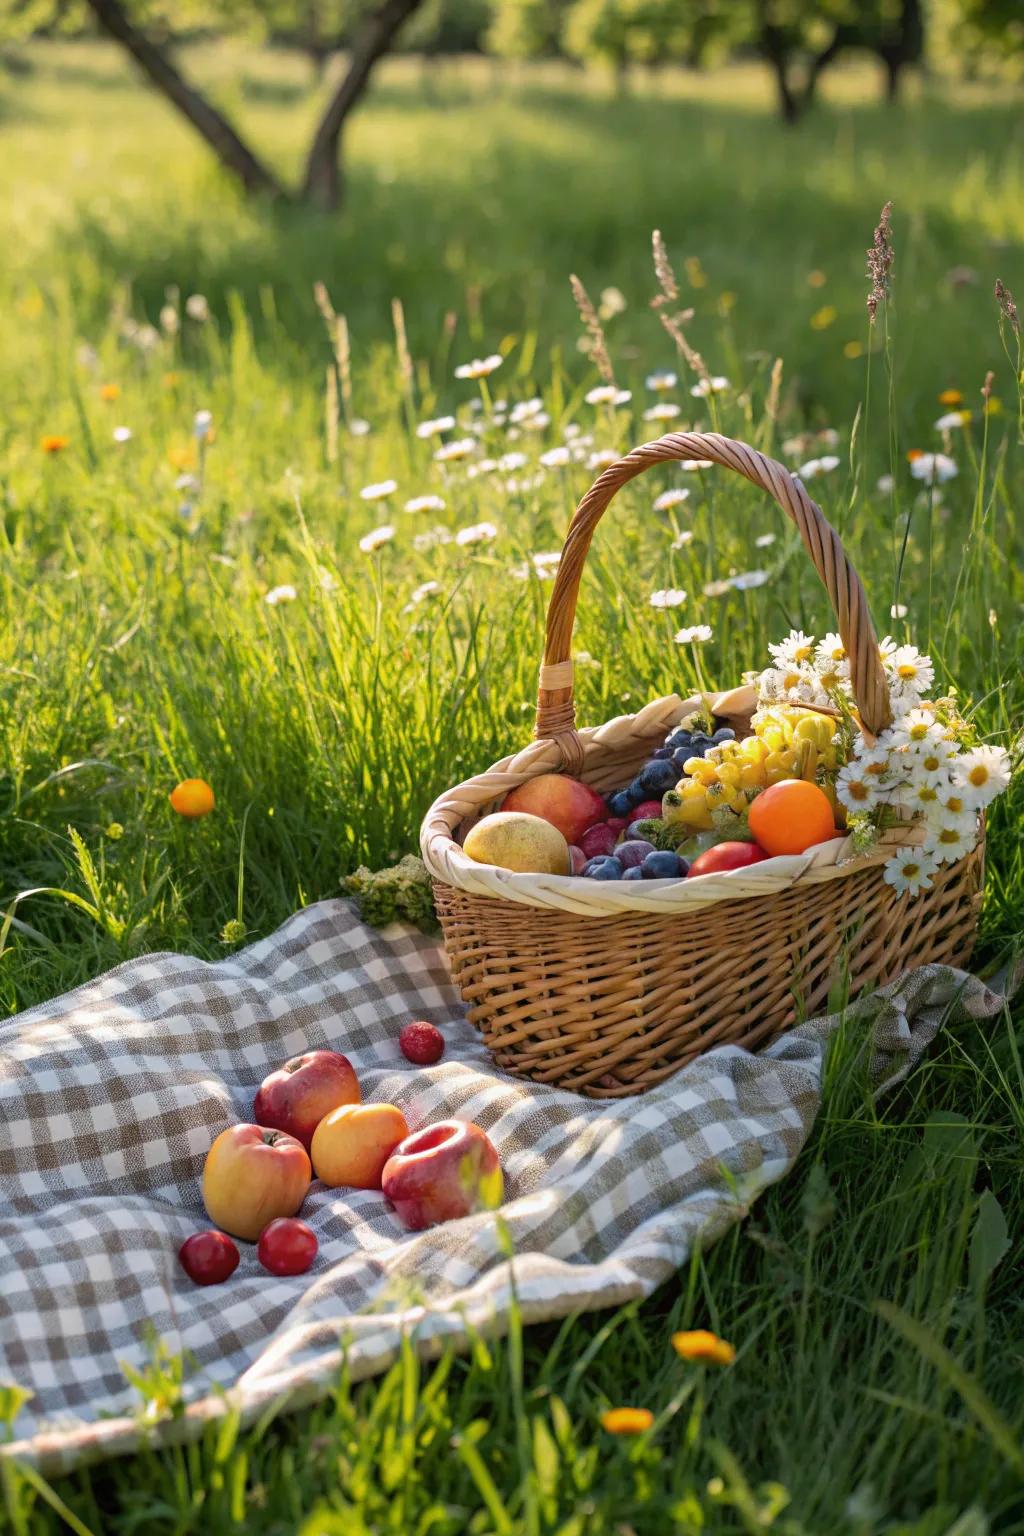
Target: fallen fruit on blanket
column 517, row 841
column 252, row 1174
column 287, row 1246
column 296, row 1097
column 421, row 1043
column 791, row 816
column 726, row 856
column 566, row 803
column 192, row 798
column 442, row 1172
column 352, row 1144
column 208, row 1257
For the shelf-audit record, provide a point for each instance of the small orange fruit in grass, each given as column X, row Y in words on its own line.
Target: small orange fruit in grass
column 791, row 816
column 192, row 798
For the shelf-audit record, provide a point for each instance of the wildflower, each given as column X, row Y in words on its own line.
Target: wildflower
column 539, row 421
column 378, row 491
column 431, row 539
column 197, row 308
column 764, row 540
column 283, row 594
column 824, row 317
column 815, row 467
column 952, row 421
column 509, row 462
column 930, row 762
column 436, row 427
column 192, row 798
column 816, row 278
column 604, row 394
column 697, row 634
column 713, row 385
column 747, row 580
column 665, row 410
column 1007, row 307
column 671, row 498
column 54, row 442
column 110, row 392
column 233, row 932
column 425, row 504
column 669, row 597
column 612, row 302
column 115, row 831
column 982, row 774
column 526, row 409
column 627, row 1421
column 796, row 650
column 855, row 788
column 695, row 274
column 691, row 464
column 914, row 728
column 376, row 538
column 884, row 485
column 951, row 397
column 201, row 424
column 556, row 458
column 684, row 536
column 479, row 368
column 460, row 449
column 477, row 533
column 853, row 350
column 122, row 434
column 898, row 611
column 544, row 565
column 186, row 482
column 427, row 589
column 661, row 380
column 933, row 468
column 602, row 458
column 910, row 870
column 169, row 321
column 358, row 427
column 910, row 674
column 881, row 258
column 481, row 467
column 699, row 1344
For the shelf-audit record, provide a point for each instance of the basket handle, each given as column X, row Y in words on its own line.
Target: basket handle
column 556, row 710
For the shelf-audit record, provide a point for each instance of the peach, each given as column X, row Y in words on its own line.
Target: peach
column 253, row 1174
column 568, row 804
column 514, row 840
column 442, row 1172
column 352, row 1144
column 296, row 1097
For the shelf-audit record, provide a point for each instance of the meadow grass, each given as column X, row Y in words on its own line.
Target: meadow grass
column 877, row 1383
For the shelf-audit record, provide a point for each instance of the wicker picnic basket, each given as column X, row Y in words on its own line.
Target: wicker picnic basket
column 607, row 987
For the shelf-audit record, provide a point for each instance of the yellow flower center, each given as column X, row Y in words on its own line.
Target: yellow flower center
column 911, row 870
column 931, row 762
column 949, row 835
column 858, row 790
column 926, row 792
column 920, row 731
column 978, row 775
column 876, row 770
column 906, row 669
column 954, row 804
column 802, row 653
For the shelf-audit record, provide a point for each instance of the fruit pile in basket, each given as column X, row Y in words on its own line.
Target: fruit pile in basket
column 707, row 801
column 309, row 1121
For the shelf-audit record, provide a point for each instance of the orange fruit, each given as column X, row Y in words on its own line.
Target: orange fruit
column 192, row 798
column 791, row 817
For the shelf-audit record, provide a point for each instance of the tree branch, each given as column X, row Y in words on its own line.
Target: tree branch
column 322, row 184
column 232, row 152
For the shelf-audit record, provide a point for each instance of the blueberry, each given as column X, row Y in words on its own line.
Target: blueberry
column 605, row 868
column 636, row 792
column 679, row 739
column 701, row 742
column 622, row 803
column 724, row 733
column 656, row 777
column 662, row 866
column 635, row 873
column 633, row 852
column 682, row 755
column 661, row 753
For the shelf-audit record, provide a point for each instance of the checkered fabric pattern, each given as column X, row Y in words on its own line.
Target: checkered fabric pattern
column 111, row 1096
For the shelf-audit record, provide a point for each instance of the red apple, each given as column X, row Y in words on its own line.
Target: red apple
column 287, row 1247
column 723, row 856
column 441, row 1172
column 252, row 1174
column 296, row 1097
column 566, row 803
column 208, row 1257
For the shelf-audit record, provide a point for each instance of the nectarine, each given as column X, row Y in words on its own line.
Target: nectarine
column 352, row 1144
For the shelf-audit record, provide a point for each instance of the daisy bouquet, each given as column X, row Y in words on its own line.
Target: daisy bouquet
column 927, row 772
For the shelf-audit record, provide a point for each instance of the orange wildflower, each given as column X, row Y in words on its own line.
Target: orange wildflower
column 53, row 442
column 699, row 1344
column 914, row 453
column 181, row 458
column 816, row 278
column 951, row 397
column 110, row 392
column 627, row 1421
column 192, row 798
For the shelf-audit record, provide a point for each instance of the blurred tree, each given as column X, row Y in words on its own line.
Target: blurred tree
column 144, row 28
column 990, row 29
column 624, row 32
column 528, row 29
column 801, row 38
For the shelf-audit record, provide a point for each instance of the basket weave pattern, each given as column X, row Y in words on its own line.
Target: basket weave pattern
column 609, row 987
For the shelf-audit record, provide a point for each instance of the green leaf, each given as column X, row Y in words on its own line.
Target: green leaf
column 989, row 1242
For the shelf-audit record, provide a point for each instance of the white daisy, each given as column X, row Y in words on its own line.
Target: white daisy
column 432, row 538
column 747, row 580
column 910, row 870
column 952, row 421
column 602, row 394
column 436, row 427
column 378, row 491
column 359, row 427
column 697, row 634
column 535, row 423
column 665, row 410
column 920, row 795
column 815, row 467
column 477, row 533
column 898, row 611
column 612, row 303
column 197, row 308
column 930, row 761
column 527, row 408
column 910, row 673
column 856, row 789
column 481, row 467
column 669, row 499
column 830, row 652
column 428, row 589
column 544, row 566
column 479, row 368
column 425, row 504
column 556, row 458
column 669, row 597
column 602, row 458
column 376, row 538
column 661, row 380
column 283, row 594
column 122, row 434
column 717, row 588
column 982, row 774
column 461, row 448
column 684, row 536
column 950, row 840
column 916, row 726
column 691, row 464
column 933, row 468
column 884, row 484
column 764, row 541
column 797, row 649
column 711, row 386
column 201, row 424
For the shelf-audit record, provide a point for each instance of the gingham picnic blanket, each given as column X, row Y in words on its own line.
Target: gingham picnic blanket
column 111, row 1096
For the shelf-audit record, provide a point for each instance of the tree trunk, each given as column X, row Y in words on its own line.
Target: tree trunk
column 322, row 183
column 233, row 153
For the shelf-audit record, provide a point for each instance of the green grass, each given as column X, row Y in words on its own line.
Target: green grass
column 137, row 648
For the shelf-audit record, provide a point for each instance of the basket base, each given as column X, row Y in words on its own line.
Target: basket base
column 610, row 1006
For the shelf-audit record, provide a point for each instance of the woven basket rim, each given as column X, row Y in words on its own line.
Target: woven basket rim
column 447, row 863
